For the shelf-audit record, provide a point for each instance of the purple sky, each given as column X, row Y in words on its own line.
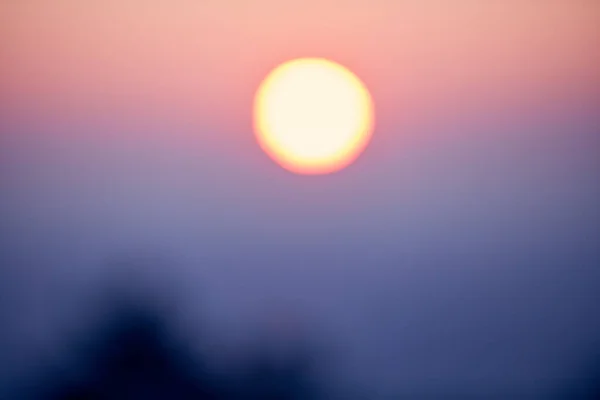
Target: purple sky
column 461, row 247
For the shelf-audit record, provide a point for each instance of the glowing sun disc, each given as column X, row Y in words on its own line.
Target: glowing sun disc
column 313, row 116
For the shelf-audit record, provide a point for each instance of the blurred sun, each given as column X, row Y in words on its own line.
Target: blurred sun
column 313, row 116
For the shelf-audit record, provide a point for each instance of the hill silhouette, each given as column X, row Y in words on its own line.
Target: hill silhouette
column 133, row 354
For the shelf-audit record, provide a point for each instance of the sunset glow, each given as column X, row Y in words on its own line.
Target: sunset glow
column 313, row 116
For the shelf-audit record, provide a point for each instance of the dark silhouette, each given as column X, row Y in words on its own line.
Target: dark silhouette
column 133, row 355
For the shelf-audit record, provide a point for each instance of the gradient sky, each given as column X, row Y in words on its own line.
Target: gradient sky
column 126, row 126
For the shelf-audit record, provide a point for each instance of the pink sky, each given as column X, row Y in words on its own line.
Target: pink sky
column 206, row 59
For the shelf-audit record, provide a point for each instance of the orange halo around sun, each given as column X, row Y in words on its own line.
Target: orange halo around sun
column 313, row 116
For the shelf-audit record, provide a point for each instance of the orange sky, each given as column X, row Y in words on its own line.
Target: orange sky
column 208, row 57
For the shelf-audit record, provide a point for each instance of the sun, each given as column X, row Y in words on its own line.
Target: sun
column 313, row 116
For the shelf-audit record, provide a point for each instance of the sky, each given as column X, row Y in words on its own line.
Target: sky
column 460, row 248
